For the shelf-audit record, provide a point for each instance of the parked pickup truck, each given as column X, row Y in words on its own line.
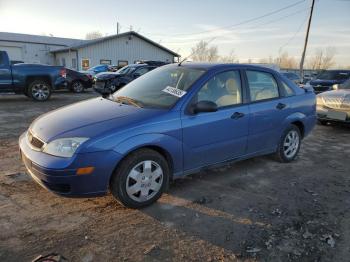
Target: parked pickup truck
column 33, row 80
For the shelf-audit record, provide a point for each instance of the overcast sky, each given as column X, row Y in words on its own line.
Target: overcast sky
column 180, row 24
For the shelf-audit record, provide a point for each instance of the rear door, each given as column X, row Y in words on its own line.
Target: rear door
column 5, row 73
column 268, row 110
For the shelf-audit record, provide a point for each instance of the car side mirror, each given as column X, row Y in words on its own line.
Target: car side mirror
column 204, row 107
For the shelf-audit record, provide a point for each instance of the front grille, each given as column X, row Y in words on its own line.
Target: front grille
column 59, row 188
column 100, row 84
column 34, row 141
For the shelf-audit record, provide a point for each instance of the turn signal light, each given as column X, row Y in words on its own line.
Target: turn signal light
column 85, row 170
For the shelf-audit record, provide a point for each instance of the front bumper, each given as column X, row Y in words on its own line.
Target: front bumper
column 59, row 175
column 322, row 115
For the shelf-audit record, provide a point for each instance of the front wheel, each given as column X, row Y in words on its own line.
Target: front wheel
column 140, row 179
column 289, row 144
column 39, row 90
column 77, row 87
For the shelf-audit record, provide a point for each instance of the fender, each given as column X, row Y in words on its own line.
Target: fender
column 173, row 145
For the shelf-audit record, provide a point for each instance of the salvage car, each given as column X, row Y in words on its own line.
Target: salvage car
column 110, row 82
column 77, row 82
column 33, row 80
column 173, row 121
column 326, row 79
column 334, row 106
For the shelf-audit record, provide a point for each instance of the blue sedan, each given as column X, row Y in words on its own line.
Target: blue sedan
column 171, row 122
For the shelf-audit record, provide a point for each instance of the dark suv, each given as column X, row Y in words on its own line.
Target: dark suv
column 326, row 79
column 109, row 82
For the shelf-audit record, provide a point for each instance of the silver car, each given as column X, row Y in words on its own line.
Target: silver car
column 334, row 106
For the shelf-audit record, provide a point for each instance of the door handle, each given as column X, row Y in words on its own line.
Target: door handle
column 237, row 115
column 280, row 106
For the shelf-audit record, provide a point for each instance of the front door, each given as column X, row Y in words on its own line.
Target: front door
column 214, row 137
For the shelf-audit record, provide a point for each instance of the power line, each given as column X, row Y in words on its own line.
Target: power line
column 295, row 34
column 250, row 27
column 242, row 22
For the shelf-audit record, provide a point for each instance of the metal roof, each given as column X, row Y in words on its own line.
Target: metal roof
column 96, row 41
column 38, row 39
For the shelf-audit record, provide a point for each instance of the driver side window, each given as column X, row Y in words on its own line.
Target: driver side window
column 224, row 89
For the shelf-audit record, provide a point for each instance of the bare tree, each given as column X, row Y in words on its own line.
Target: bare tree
column 285, row 61
column 322, row 59
column 202, row 52
column 231, row 58
column 93, row 35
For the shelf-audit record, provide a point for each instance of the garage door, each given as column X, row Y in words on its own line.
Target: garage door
column 15, row 53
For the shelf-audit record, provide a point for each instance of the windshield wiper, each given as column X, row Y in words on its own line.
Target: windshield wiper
column 129, row 100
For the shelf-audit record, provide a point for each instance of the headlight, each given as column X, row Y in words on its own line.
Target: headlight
column 64, row 147
column 319, row 100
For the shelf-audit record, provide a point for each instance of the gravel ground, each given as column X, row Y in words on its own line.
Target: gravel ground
column 254, row 210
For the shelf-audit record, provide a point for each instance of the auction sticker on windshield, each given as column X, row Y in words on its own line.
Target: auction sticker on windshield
column 174, row 91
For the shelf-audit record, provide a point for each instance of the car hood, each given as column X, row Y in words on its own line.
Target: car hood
column 336, row 93
column 324, row 82
column 337, row 99
column 107, row 75
column 88, row 119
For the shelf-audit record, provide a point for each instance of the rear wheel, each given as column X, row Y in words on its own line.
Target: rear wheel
column 289, row 144
column 77, row 87
column 140, row 178
column 39, row 90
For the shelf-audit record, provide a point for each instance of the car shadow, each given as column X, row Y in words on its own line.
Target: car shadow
column 225, row 207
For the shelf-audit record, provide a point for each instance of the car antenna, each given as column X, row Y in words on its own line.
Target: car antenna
column 183, row 60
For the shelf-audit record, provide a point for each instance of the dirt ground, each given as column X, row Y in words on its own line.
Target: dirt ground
column 255, row 210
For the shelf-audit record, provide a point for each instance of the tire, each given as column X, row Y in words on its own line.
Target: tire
column 77, row 87
column 323, row 122
column 135, row 189
column 285, row 153
column 39, row 90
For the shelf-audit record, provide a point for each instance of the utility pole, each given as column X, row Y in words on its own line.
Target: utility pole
column 117, row 28
column 305, row 43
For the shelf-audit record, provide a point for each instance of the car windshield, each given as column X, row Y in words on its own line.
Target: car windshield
column 333, row 75
column 160, row 88
column 126, row 70
column 98, row 67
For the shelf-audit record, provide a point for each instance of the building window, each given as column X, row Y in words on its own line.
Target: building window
column 74, row 63
column 85, row 63
column 122, row 63
column 105, row 62
column 63, row 61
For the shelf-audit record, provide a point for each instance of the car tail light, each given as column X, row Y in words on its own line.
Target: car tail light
column 63, row 72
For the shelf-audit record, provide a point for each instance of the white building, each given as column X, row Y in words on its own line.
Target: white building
column 33, row 48
column 122, row 49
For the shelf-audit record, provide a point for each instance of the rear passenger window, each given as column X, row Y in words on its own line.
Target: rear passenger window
column 288, row 91
column 262, row 86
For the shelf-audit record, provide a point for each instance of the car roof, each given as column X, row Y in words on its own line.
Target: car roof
column 211, row 66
